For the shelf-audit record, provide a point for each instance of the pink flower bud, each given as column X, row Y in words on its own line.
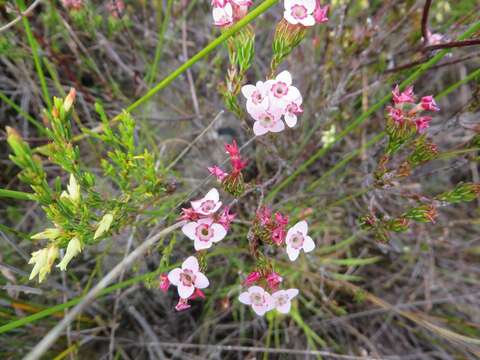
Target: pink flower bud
column 217, row 172
column 182, row 305
column 226, row 218
column 273, row 280
column 164, row 283
column 423, row 123
column 395, row 113
column 281, row 219
column 278, row 235
column 264, row 215
column 320, row 13
column 429, row 104
column 189, row 214
column 405, row 97
column 197, row 294
column 252, row 278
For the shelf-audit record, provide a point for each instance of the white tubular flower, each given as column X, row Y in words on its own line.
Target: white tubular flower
column 103, row 225
column 43, row 260
column 74, row 248
column 50, row 234
column 73, row 190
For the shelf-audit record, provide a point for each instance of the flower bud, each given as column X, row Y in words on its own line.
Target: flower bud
column 50, row 233
column 286, row 38
column 69, row 99
column 103, row 225
column 74, row 247
column 43, row 260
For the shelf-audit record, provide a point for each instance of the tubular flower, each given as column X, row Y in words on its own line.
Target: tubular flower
column 43, row 260
column 74, row 248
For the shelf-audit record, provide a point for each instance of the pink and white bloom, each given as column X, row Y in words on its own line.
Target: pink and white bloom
column 204, row 232
column 260, row 300
column 209, row 204
column 188, row 278
column 297, row 239
column 282, row 300
column 291, row 111
column 300, row 12
column 222, row 13
column 257, row 96
column 267, row 121
column 281, row 92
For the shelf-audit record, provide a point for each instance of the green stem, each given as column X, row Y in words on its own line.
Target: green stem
column 22, row 113
column 19, row 195
column 36, row 57
column 361, row 119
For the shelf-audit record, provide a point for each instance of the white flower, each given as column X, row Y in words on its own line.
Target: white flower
column 187, row 278
column 73, row 190
column 204, row 233
column 209, row 204
column 291, row 111
column 281, row 92
column 74, row 247
column 328, row 136
column 297, row 239
column 223, row 15
column 260, row 300
column 282, row 300
column 300, row 12
column 267, row 122
column 103, row 225
column 257, row 96
column 50, row 233
column 43, row 260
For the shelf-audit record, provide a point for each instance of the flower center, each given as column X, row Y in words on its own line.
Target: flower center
column 204, row 232
column 257, row 299
column 281, row 300
column 187, row 278
column 207, row 206
column 297, row 240
column 280, row 89
column 299, row 12
column 257, row 97
column 267, row 120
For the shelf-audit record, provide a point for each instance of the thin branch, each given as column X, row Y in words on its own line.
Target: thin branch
column 53, row 334
column 22, row 14
column 425, row 30
column 454, row 44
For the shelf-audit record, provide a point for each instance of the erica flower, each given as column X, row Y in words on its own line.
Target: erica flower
column 226, row 218
column 423, row 123
column 73, row 190
column 182, row 305
column 256, row 95
column 260, row 300
column 282, row 300
column 217, row 172
column 204, row 233
column 297, row 239
column 222, row 14
column 320, row 13
column 209, row 204
column 300, row 12
column 406, row 96
column 252, row 278
column 189, row 214
column 267, row 122
column 428, row 103
column 293, row 109
column 74, row 248
column 43, row 260
column 274, row 279
column 281, row 92
column 164, row 283
column 188, row 278
column 395, row 113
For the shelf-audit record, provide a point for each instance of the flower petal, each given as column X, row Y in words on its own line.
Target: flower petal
column 201, row 281
column 291, row 119
column 308, row 244
column 308, row 21
column 189, row 229
column 278, row 126
column 185, row 291
column 258, row 129
column 285, row 77
column 291, row 293
column 288, row 16
column 174, row 276
column 248, row 90
column 202, row 245
column 285, row 308
column 259, row 309
column 212, row 195
column 309, row 5
column 219, row 232
column 301, row 226
column 244, row 298
column 292, row 253
column 191, row 263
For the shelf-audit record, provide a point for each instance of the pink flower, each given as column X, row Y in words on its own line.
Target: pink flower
column 252, row 278
column 297, row 239
column 73, row 4
column 429, row 104
column 242, row 2
column 395, row 113
column 423, row 123
column 232, row 149
column 256, row 95
column 222, row 15
column 164, row 283
column 188, row 278
column 278, row 235
column 219, row 3
column 264, row 215
column 281, row 219
column 273, row 280
column 235, row 160
column 281, row 92
column 291, row 111
column 209, row 204
column 300, row 12
column 405, row 97
column 282, row 300
column 267, row 122
column 197, row 294
column 189, row 214
column 217, row 172
column 182, row 305
column 320, row 13
column 260, row 300
column 226, row 218
column 204, row 233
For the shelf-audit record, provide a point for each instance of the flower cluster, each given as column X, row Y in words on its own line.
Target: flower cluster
column 232, row 182
column 269, row 101
column 406, row 110
column 261, row 301
column 205, row 225
column 305, row 12
column 227, row 12
column 270, row 229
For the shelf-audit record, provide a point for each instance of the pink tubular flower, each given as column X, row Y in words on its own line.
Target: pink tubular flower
column 428, row 103
column 204, row 233
column 252, row 278
column 281, row 219
column 405, row 97
column 260, row 300
column 278, row 235
column 188, row 278
column 209, row 204
column 189, row 214
column 264, row 215
column 226, row 218
column 182, row 305
column 256, row 95
column 423, row 123
column 395, row 113
column 297, row 239
column 320, row 13
column 274, row 279
column 222, row 15
column 282, row 300
column 217, row 172
column 164, row 283
column 300, row 12
column 267, row 122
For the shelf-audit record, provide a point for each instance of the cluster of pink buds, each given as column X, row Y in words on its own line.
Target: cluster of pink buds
column 268, row 228
column 305, row 12
column 72, row 4
column 232, row 182
column 406, row 109
column 227, row 12
column 268, row 102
